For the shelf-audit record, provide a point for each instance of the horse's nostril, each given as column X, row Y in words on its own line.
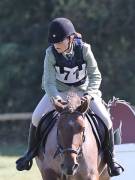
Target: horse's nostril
column 62, row 165
column 69, row 170
column 75, row 166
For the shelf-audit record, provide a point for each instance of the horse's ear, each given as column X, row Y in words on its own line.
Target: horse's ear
column 83, row 107
column 59, row 106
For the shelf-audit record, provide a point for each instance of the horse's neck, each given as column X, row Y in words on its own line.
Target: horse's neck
column 87, row 126
column 89, row 148
column 89, row 136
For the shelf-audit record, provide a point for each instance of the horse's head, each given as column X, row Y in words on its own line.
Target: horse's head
column 70, row 134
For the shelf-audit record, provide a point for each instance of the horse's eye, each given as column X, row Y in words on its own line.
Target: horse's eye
column 79, row 128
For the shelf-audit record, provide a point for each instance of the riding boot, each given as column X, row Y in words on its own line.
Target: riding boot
column 25, row 162
column 114, row 169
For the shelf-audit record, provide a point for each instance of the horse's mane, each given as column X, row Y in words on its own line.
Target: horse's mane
column 72, row 103
column 73, row 100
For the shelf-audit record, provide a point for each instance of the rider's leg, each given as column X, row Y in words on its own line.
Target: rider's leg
column 25, row 162
column 100, row 110
column 45, row 105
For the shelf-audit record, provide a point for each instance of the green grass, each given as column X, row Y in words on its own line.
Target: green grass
column 8, row 156
column 8, row 170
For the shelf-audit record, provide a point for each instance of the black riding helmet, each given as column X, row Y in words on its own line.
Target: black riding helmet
column 59, row 29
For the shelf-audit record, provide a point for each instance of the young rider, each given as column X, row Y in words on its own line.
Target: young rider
column 69, row 62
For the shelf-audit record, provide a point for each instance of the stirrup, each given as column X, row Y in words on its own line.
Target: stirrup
column 116, row 170
column 24, row 164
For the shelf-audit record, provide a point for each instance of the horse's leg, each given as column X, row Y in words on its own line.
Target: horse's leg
column 49, row 174
column 94, row 177
column 104, row 175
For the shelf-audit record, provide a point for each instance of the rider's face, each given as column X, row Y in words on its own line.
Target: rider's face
column 62, row 46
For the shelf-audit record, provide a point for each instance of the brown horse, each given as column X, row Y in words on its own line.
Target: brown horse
column 71, row 151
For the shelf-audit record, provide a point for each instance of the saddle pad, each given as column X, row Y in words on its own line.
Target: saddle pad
column 98, row 127
column 46, row 124
column 48, row 121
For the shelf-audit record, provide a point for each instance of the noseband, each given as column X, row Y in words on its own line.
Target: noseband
column 60, row 150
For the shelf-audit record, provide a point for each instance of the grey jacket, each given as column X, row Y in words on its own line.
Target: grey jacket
column 52, row 86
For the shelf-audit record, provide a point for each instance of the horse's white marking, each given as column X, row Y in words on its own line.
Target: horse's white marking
column 71, row 123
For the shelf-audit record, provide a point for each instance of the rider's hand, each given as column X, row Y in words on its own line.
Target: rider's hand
column 62, row 101
column 86, row 98
column 59, row 103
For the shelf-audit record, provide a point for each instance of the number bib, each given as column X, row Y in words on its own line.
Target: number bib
column 71, row 71
column 71, row 75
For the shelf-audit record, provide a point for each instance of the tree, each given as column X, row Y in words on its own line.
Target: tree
column 107, row 25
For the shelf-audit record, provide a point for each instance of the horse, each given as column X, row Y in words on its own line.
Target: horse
column 71, row 151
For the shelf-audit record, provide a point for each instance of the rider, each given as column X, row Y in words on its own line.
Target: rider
column 69, row 62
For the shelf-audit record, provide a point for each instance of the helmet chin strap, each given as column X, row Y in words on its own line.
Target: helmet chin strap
column 69, row 45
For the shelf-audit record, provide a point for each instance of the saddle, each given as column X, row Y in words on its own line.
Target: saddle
column 45, row 126
column 98, row 127
column 48, row 121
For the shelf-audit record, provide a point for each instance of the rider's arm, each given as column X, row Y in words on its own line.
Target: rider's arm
column 94, row 75
column 49, row 79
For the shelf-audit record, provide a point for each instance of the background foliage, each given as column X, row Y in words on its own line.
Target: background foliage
column 107, row 25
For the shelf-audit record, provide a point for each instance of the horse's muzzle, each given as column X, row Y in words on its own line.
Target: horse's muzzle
column 69, row 170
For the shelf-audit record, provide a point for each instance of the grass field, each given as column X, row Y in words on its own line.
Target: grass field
column 8, row 156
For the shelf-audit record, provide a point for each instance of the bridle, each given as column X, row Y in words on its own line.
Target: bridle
column 60, row 150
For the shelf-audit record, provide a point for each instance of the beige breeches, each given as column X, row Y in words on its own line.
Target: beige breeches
column 45, row 105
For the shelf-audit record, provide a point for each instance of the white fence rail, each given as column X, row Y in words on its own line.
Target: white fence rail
column 15, row 116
